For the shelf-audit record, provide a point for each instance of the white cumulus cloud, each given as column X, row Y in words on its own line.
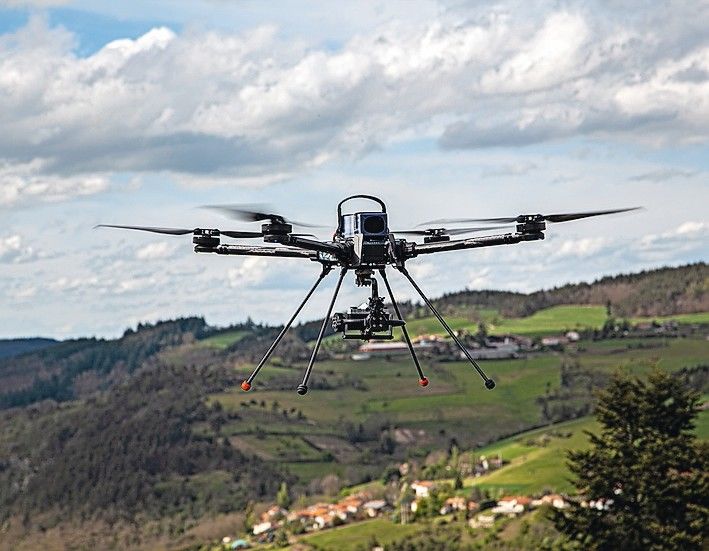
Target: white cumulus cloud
column 161, row 249
column 579, row 248
column 27, row 183
column 251, row 106
column 13, row 250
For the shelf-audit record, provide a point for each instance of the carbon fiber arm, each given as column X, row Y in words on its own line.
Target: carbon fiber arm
column 255, row 250
column 472, row 243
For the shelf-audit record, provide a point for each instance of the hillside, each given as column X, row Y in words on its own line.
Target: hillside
column 147, row 439
column 660, row 292
column 16, row 347
column 80, row 367
column 77, row 368
column 132, row 452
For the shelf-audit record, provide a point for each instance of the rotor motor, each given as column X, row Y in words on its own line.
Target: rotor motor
column 531, row 224
column 206, row 238
column 275, row 232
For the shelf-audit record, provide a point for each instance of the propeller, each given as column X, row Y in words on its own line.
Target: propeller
column 249, row 213
column 445, row 231
column 565, row 217
column 182, row 231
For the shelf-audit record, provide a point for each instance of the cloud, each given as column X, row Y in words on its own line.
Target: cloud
column 692, row 228
column 27, row 183
column 249, row 106
column 664, row 174
column 70, row 284
column 579, row 248
column 480, row 279
column 31, row 3
column 687, row 237
column 551, row 56
column 159, row 250
column 510, row 169
column 253, row 270
column 22, row 293
column 266, row 274
column 12, row 250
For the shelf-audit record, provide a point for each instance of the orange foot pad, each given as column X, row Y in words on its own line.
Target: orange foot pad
column 424, row 381
column 245, row 386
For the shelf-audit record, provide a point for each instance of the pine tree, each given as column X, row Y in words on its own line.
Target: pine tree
column 645, row 472
column 283, row 496
column 458, row 481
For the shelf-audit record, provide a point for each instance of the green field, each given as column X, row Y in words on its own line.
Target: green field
column 699, row 317
column 454, row 405
column 534, row 468
column 431, row 326
column 223, row 340
column 348, row 538
column 554, row 320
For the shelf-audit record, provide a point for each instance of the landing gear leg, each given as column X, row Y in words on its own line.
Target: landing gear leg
column 246, row 385
column 489, row 383
column 423, row 380
column 303, row 387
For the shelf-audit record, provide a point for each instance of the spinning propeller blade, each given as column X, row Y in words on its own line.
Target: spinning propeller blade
column 565, row 217
column 168, row 231
column 183, row 231
column 256, row 213
column 446, row 231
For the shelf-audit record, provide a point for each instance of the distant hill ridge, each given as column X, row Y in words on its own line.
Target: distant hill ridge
column 74, row 368
column 16, row 347
column 659, row 292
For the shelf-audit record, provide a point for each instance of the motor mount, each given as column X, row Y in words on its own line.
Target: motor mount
column 275, row 232
column 206, row 238
column 531, row 223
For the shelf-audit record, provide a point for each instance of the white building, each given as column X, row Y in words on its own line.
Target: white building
column 423, row 488
column 374, row 507
column 261, row 528
column 511, row 506
column 555, row 500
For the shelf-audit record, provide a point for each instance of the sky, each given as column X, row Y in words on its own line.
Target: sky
column 141, row 112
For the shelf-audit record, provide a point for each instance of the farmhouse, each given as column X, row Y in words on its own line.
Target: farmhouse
column 394, row 348
column 423, row 488
column 274, row 513
column 453, row 504
column 555, row 500
column 496, row 348
column 352, row 504
column 262, row 528
column 375, row 507
column 554, row 342
column 512, row 505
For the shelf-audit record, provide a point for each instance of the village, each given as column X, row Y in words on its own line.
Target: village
column 483, row 346
column 414, row 495
column 508, row 346
column 416, row 500
column 360, row 507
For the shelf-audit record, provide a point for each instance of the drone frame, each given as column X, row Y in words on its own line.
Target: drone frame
column 347, row 250
column 331, row 254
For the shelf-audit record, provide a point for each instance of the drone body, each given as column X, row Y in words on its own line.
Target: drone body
column 363, row 244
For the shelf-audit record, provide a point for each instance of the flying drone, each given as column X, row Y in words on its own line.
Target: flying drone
column 363, row 244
